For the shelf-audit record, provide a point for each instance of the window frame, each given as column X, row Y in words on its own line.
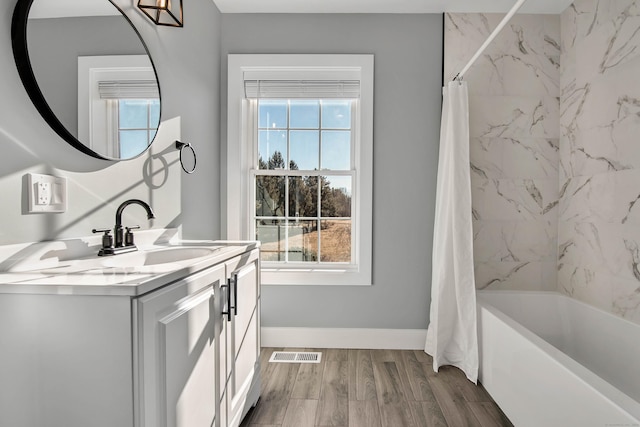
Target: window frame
column 240, row 155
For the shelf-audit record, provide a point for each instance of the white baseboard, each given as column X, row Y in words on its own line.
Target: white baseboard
column 395, row 339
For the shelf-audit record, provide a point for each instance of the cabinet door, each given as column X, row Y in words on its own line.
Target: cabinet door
column 176, row 381
column 244, row 336
column 245, row 324
column 223, row 350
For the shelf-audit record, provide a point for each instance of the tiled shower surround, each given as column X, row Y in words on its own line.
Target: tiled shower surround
column 599, row 215
column 514, row 96
column 555, row 150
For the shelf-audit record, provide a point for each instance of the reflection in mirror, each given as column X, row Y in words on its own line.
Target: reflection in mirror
column 118, row 104
column 119, row 119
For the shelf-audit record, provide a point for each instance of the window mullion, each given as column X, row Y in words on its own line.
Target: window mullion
column 282, row 172
column 318, row 181
column 320, row 164
column 286, row 217
column 319, row 217
column 286, row 184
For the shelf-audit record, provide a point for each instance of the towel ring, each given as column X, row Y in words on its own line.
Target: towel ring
column 181, row 146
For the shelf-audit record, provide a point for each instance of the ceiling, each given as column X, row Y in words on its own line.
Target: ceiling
column 65, row 8
column 55, row 8
column 387, row 6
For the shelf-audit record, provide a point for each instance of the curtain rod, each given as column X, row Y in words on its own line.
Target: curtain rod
column 493, row 35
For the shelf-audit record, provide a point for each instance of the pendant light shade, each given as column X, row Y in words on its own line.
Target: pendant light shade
column 163, row 12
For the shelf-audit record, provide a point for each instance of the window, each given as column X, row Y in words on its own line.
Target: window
column 304, row 181
column 299, row 162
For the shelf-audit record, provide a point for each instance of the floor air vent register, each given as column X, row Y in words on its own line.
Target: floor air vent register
column 295, row 357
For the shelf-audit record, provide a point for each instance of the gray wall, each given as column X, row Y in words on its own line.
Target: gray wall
column 407, row 93
column 188, row 62
column 408, row 51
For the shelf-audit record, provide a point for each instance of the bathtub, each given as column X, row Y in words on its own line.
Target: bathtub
column 550, row 360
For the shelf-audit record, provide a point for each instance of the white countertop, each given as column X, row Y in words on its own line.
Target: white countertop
column 94, row 275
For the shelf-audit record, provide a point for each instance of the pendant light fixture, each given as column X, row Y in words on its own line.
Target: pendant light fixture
column 163, row 12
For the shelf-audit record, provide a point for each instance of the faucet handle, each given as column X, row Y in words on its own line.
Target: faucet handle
column 107, row 238
column 128, row 235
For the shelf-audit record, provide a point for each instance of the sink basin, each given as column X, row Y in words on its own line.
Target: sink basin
column 157, row 256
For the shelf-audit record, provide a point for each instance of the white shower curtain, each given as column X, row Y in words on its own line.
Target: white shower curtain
column 452, row 333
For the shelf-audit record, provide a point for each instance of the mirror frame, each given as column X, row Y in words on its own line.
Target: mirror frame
column 20, row 48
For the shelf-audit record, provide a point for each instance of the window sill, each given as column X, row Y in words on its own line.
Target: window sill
column 315, row 276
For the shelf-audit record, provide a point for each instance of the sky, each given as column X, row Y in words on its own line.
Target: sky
column 319, row 134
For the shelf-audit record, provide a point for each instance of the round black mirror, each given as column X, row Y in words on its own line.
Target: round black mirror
column 89, row 74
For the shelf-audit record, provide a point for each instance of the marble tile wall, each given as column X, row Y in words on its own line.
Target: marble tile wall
column 555, row 150
column 599, row 169
column 514, row 103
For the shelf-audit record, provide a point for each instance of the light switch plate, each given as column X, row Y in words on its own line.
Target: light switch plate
column 46, row 193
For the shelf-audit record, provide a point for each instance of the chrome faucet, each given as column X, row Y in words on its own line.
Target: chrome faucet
column 123, row 240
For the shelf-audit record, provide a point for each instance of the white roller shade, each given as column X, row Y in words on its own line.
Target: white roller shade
column 286, row 89
column 128, row 89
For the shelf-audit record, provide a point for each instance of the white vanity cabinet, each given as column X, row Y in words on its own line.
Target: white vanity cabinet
column 175, row 352
column 134, row 350
column 239, row 339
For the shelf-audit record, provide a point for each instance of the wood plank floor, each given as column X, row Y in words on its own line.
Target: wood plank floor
column 369, row 388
